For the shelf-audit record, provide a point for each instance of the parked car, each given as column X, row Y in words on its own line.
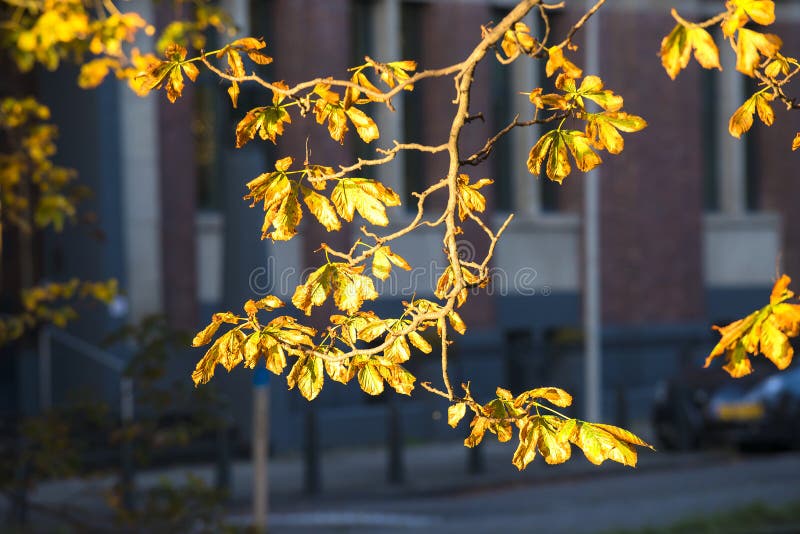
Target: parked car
column 706, row 407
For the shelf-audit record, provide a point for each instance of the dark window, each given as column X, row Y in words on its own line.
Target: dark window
column 502, row 114
column 411, row 47
column 709, row 114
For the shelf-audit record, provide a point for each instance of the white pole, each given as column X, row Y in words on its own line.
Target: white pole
column 260, row 451
column 591, row 243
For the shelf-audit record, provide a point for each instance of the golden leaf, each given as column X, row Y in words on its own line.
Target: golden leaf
column 420, row 342
column 602, row 129
column 268, row 122
column 341, row 371
column 705, row 50
column 365, row 126
column 677, row 47
column 233, row 92
column 456, row 322
column 751, row 45
column 556, row 60
column 276, row 357
column 399, row 378
column 315, row 290
column 742, row 119
column 370, row 379
column 550, row 444
column 517, row 40
column 479, row 426
column 308, row 375
column 555, row 396
column 592, row 88
column 760, row 11
column 205, row 335
column 321, row 208
column 675, row 50
column 528, row 439
column 796, row 142
column 599, row 445
column 469, row 198
column 766, row 331
column 351, row 288
column 398, row 351
column 382, row 262
column 366, row 196
column 455, row 412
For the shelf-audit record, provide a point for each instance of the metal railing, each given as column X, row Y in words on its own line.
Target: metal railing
column 47, row 336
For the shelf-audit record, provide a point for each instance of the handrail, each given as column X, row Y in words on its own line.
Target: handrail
column 103, row 357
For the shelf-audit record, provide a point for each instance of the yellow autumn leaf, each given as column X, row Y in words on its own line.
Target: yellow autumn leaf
column 528, row 439
column 599, row 445
column 751, row 46
column 796, row 142
column 580, row 148
column 368, row 197
column 370, row 379
column 315, row 290
column 555, row 396
column 556, row 60
column 479, row 426
column 766, row 331
column 455, row 412
column 365, row 126
column 469, row 198
column 677, row 47
column 420, row 342
column 742, row 119
column 398, row 378
column 321, row 208
column 602, row 129
column 275, row 357
column 740, row 11
column 340, row 371
column 351, row 288
column 205, row 335
column 398, row 351
column 517, row 41
column 308, row 375
column 592, row 88
column 382, row 261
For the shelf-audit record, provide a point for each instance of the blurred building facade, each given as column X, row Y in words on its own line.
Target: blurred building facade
column 693, row 222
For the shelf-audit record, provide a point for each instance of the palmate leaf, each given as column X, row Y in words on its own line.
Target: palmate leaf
column 677, row 47
column 382, row 261
column 760, row 11
column 350, row 288
column 603, row 129
column 591, row 88
column 308, row 375
column 751, row 46
column 517, row 41
column 556, row 61
column 766, row 331
column 455, row 413
column 469, row 198
column 554, row 147
column 742, row 119
column 368, row 197
column 329, row 107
